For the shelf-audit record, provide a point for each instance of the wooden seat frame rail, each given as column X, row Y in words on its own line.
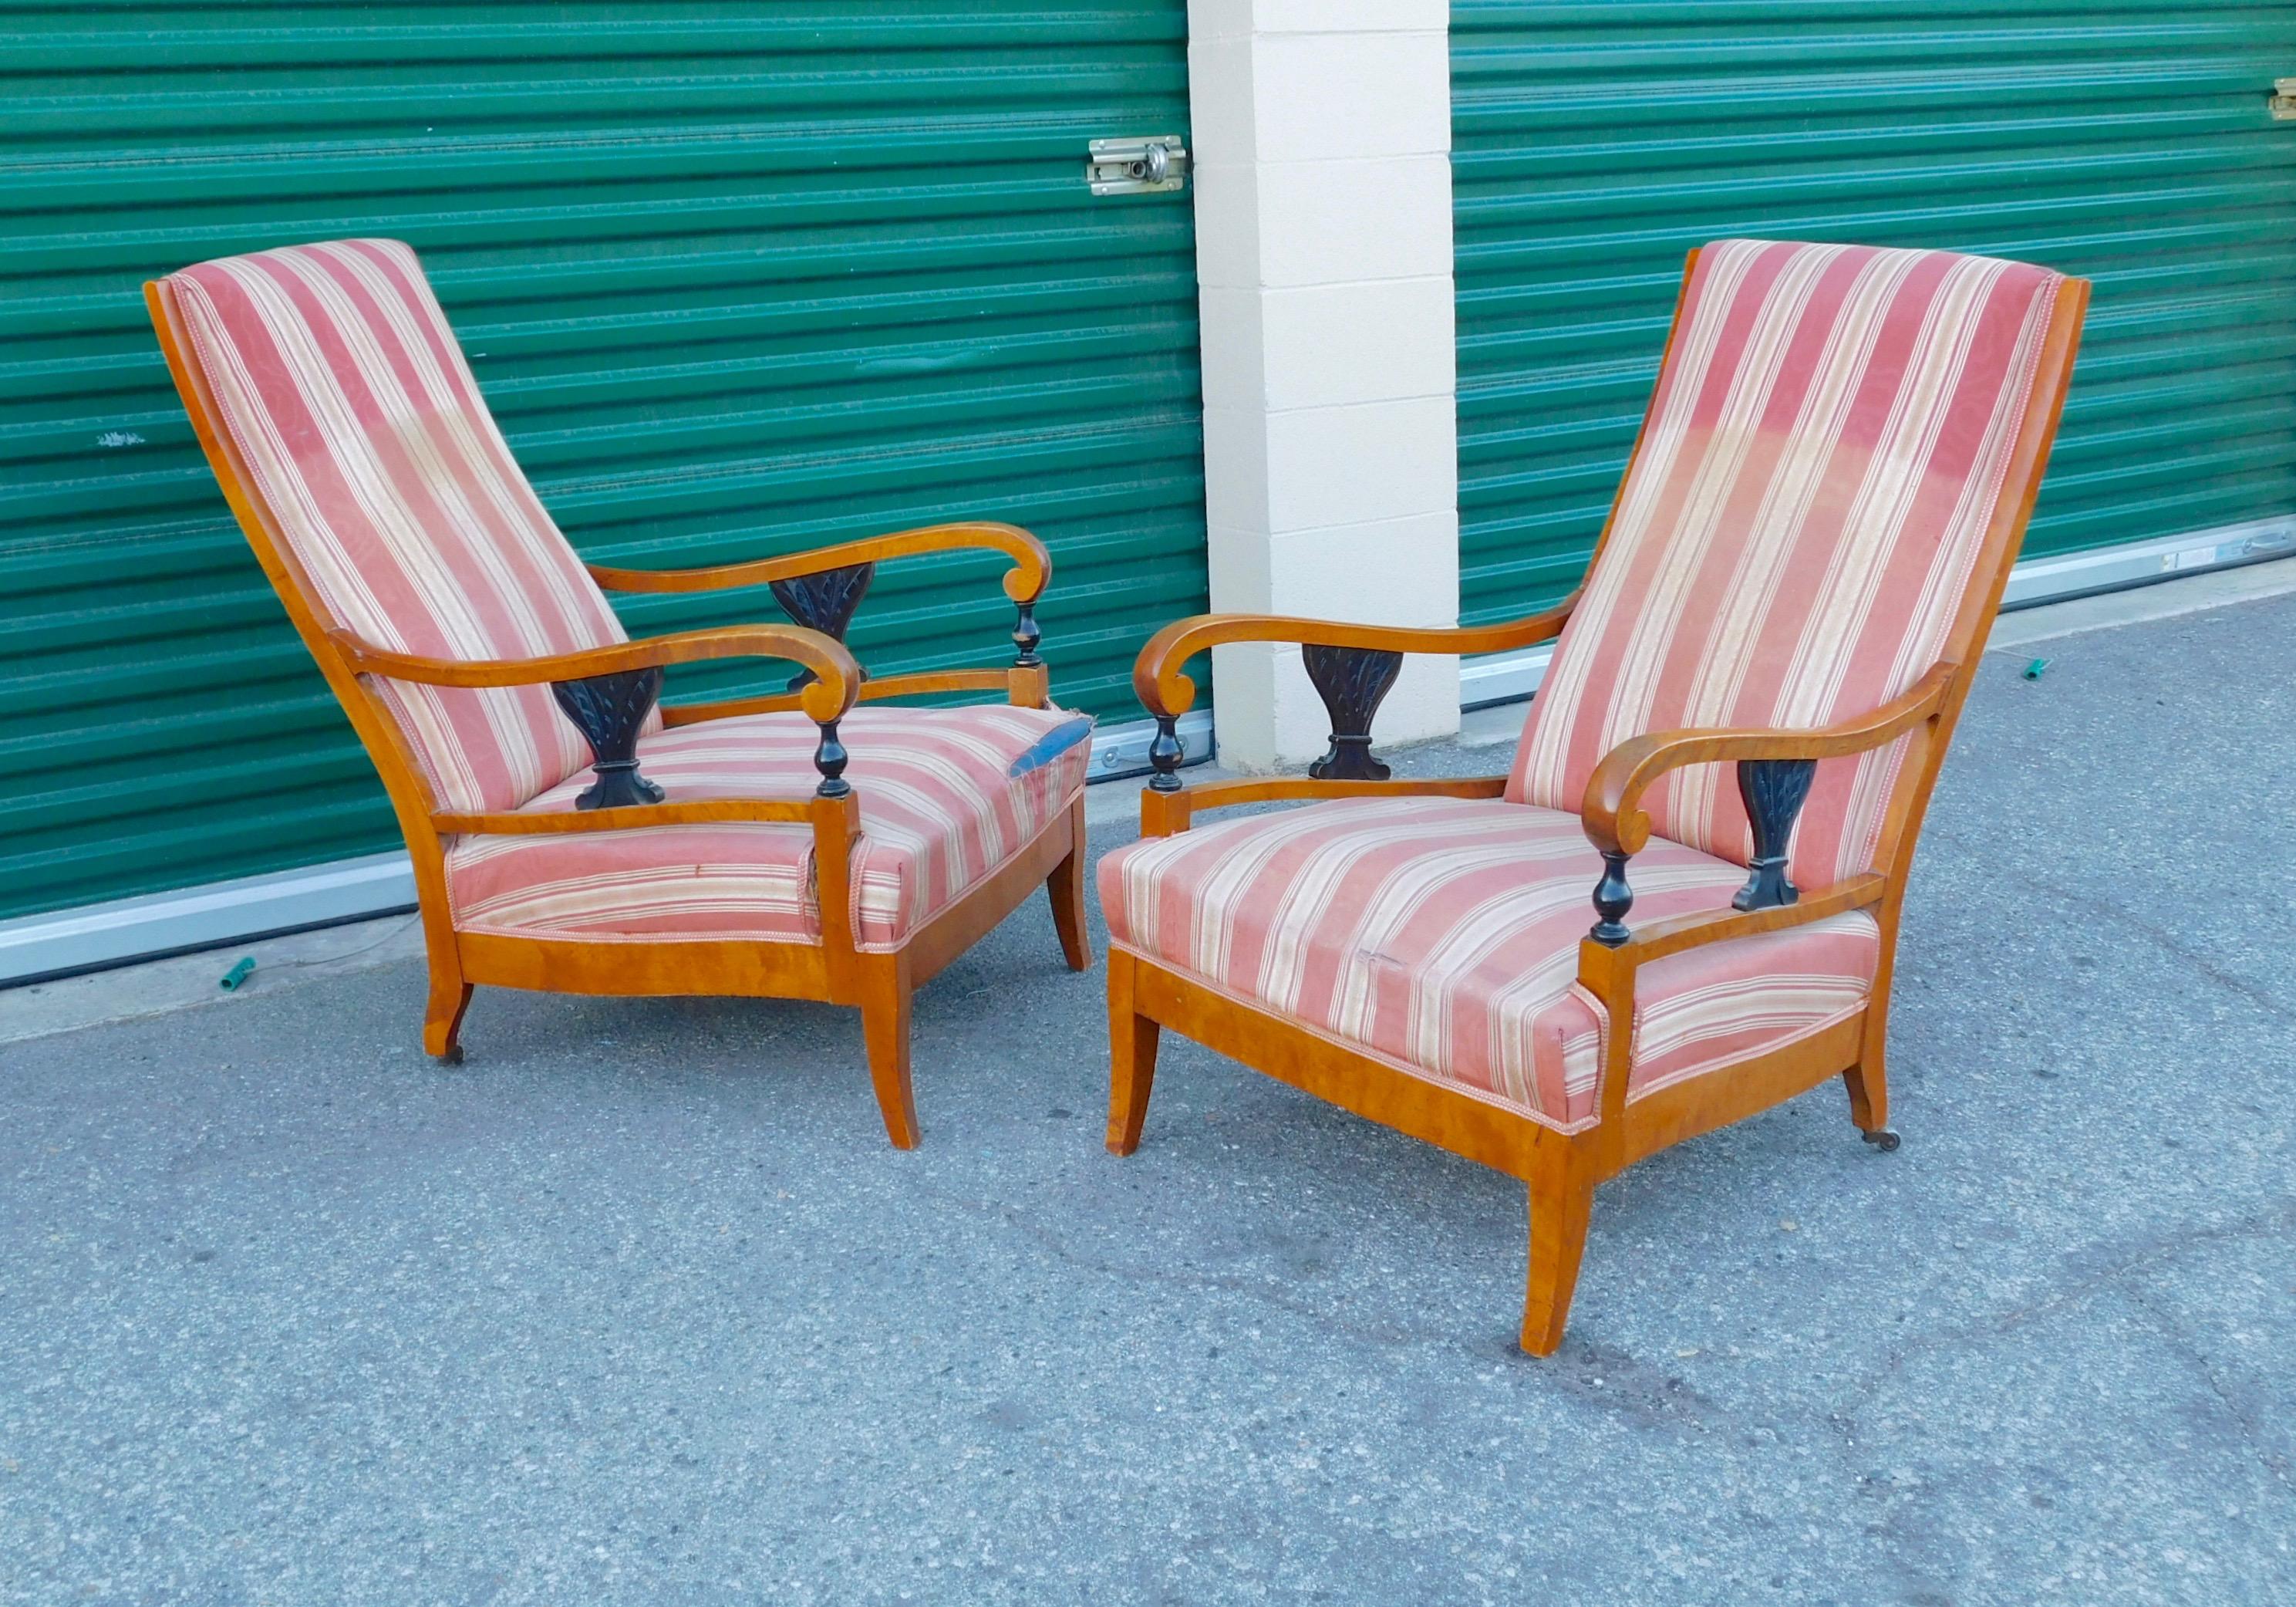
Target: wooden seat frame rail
column 833, row 969
column 1562, row 1169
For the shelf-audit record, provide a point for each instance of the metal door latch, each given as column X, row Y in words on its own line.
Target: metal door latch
column 1137, row 167
column 2282, row 103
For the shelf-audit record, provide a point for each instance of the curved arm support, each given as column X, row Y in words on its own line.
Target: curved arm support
column 825, row 699
column 1024, row 582
column 1610, row 810
column 607, row 692
column 1156, row 674
column 1352, row 666
column 1774, row 770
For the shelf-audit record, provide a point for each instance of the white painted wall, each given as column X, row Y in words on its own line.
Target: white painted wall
column 1322, row 137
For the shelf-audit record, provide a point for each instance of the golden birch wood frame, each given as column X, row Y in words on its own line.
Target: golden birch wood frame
column 1562, row 1169
column 833, row 969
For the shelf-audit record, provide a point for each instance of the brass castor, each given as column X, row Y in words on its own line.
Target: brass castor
column 454, row 1057
column 1882, row 1139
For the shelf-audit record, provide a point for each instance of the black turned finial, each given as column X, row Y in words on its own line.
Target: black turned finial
column 1352, row 681
column 609, row 711
column 1613, row 898
column 1164, row 752
column 1025, row 637
column 824, row 601
column 830, row 759
column 1774, row 790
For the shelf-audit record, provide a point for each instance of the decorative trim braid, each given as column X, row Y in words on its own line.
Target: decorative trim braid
column 1773, row 790
column 611, row 713
column 1352, row 681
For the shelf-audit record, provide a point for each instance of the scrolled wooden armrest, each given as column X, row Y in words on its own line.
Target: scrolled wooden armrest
column 837, row 679
column 1609, row 811
column 1156, row 674
column 1024, row 582
column 1352, row 666
column 607, row 693
column 1775, row 772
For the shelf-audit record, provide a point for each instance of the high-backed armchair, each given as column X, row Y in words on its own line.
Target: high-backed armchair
column 1734, row 744
column 566, row 833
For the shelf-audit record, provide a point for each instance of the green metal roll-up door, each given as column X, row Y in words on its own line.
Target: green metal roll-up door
column 738, row 279
column 2126, row 140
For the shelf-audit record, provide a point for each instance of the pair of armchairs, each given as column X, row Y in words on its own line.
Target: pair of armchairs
column 1750, row 697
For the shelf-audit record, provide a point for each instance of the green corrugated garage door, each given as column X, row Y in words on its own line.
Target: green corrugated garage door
column 2126, row 140
column 738, row 278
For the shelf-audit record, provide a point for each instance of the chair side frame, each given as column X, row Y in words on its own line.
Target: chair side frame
column 834, row 969
column 1563, row 1168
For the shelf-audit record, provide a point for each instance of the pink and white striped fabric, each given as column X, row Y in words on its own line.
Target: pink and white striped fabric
column 1442, row 936
column 1824, row 452
column 336, row 375
column 942, row 807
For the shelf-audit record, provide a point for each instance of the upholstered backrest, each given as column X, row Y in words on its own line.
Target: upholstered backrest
column 1824, row 453
column 334, row 372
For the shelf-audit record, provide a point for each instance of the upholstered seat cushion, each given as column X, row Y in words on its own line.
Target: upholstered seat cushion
column 1442, row 937
column 948, row 795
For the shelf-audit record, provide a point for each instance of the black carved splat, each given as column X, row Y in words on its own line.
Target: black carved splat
column 1613, row 898
column 609, row 710
column 824, row 601
column 1025, row 637
column 1352, row 682
column 1774, row 790
column 1165, row 752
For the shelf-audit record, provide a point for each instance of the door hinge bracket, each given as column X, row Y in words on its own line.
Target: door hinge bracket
column 1137, row 167
column 2282, row 103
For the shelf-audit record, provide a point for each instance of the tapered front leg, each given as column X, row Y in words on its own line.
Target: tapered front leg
column 1132, row 1040
column 1561, row 1198
column 442, row 1024
column 1868, row 1081
column 1065, row 887
column 885, row 995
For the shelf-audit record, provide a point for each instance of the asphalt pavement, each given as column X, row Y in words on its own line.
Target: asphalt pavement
column 636, row 1306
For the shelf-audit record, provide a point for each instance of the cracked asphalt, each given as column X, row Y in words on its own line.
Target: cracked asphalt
column 637, row 1306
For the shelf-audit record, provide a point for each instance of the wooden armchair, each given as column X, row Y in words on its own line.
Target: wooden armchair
column 567, row 834
column 1795, row 582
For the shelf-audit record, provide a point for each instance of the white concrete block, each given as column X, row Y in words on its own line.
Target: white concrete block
column 1216, row 18
column 1324, row 262
column 1328, row 345
column 1227, row 226
column 1346, row 221
column 1397, row 572
column 1236, row 495
column 1231, row 341
column 1330, row 466
column 1323, row 96
column 1240, row 561
column 1223, row 101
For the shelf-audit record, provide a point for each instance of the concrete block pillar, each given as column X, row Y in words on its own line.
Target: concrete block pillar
column 1322, row 137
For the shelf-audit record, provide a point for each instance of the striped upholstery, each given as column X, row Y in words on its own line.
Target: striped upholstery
column 367, row 442
column 948, row 795
column 1824, row 452
column 1442, row 937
